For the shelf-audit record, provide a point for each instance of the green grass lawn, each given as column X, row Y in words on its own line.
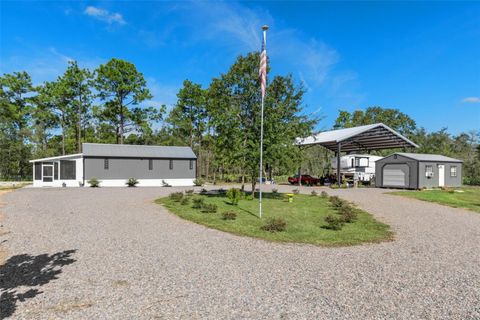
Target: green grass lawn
column 469, row 199
column 304, row 217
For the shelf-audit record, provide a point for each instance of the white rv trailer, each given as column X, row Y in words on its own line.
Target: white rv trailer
column 359, row 167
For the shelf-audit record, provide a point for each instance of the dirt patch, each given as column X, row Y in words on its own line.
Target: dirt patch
column 71, row 305
column 120, row 283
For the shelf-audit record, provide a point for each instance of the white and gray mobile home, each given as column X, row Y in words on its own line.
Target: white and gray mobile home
column 417, row 171
column 114, row 164
column 359, row 167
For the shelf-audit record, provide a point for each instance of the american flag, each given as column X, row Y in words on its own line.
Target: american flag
column 262, row 72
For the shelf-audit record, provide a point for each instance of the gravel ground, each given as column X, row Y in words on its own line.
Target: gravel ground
column 111, row 253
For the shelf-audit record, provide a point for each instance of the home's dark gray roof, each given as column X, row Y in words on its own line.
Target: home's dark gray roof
column 376, row 136
column 428, row 157
column 134, row 151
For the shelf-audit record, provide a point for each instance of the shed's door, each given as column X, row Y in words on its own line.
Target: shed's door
column 395, row 175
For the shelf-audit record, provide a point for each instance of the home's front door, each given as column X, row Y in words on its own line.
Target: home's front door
column 47, row 174
column 441, row 175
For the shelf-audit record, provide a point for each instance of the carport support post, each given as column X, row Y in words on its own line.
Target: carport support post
column 339, row 177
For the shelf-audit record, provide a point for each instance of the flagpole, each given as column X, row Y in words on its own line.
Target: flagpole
column 264, row 28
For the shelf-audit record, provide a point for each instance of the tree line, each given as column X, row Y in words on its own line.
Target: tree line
column 220, row 122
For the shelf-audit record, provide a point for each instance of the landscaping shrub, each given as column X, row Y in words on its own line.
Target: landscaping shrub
column 334, row 223
column 185, row 201
column 198, row 182
column 229, row 215
column 176, row 196
column 234, row 195
column 275, row 225
column 189, row 192
column 348, row 213
column 203, row 191
column 296, row 191
column 198, row 203
column 336, row 201
column 132, row 182
column 249, row 197
column 94, row 183
column 275, row 193
column 314, row 193
column 209, row 208
column 324, row 194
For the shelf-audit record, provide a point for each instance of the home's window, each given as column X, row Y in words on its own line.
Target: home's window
column 105, row 164
column 361, row 162
column 55, row 171
column 453, row 171
column 191, row 164
column 67, row 170
column 171, row 164
column 150, row 164
column 429, row 171
column 38, row 171
column 353, row 162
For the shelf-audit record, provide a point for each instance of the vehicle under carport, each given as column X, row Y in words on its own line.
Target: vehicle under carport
column 364, row 139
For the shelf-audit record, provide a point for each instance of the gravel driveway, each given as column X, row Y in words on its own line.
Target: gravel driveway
column 111, row 253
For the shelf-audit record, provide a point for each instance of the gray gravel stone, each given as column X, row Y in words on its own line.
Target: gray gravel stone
column 134, row 260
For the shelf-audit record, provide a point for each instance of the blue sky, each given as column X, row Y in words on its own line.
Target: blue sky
column 420, row 57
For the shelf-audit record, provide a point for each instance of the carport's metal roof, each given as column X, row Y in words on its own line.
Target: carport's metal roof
column 136, row 151
column 369, row 137
column 428, row 157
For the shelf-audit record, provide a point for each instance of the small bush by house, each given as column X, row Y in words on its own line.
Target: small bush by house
column 94, row 183
column 198, row 182
column 132, row 182
column 185, row 201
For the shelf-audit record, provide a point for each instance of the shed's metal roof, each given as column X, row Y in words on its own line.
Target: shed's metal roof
column 369, row 137
column 135, row 151
column 428, row 157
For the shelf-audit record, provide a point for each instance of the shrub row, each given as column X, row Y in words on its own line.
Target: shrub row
column 347, row 213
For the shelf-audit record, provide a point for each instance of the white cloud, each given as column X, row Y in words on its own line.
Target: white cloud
column 471, row 100
column 238, row 27
column 104, row 15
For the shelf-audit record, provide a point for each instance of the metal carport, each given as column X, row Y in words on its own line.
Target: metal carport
column 370, row 137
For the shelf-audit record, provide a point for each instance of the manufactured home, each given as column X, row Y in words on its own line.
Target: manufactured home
column 114, row 164
column 417, row 171
column 359, row 167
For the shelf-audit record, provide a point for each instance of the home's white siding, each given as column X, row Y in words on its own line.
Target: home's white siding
column 145, row 182
column 59, row 183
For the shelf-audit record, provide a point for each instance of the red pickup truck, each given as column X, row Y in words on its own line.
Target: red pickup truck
column 306, row 180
